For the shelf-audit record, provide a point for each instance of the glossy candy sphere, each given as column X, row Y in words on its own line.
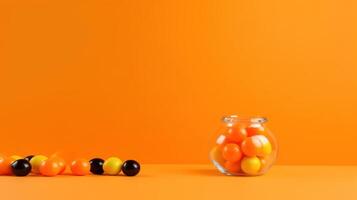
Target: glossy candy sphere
column 61, row 162
column 112, row 166
column 255, row 130
column 21, row 167
column 250, row 146
column 96, row 166
column 36, row 162
column 236, row 135
column 244, row 147
column 49, row 167
column 250, row 165
column 232, row 167
column 131, row 168
column 231, row 152
column 63, row 166
column 257, row 145
column 80, row 167
column 5, row 165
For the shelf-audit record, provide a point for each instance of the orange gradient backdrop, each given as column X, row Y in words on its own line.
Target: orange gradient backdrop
column 150, row 80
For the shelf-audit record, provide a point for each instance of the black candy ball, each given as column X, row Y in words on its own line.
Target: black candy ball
column 21, row 167
column 96, row 166
column 28, row 158
column 131, row 168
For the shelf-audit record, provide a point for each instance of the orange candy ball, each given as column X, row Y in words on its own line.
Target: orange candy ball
column 232, row 167
column 61, row 162
column 250, row 147
column 80, row 167
column 231, row 152
column 5, row 165
column 50, row 167
column 236, row 135
column 255, row 130
column 257, row 145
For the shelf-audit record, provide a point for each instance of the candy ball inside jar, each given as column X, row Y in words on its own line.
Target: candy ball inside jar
column 236, row 134
column 21, row 167
column 250, row 165
column 232, row 167
column 231, row 152
column 256, row 129
column 131, row 168
column 257, row 145
column 112, row 166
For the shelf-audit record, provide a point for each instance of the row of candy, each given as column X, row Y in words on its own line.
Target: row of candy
column 54, row 165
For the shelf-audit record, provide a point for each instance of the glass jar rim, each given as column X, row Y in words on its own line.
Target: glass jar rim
column 232, row 119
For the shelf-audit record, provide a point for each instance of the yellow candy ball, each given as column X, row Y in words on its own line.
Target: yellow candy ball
column 267, row 149
column 266, row 146
column 16, row 157
column 112, row 166
column 250, row 165
column 36, row 162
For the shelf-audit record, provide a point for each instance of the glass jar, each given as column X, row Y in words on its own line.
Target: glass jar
column 244, row 147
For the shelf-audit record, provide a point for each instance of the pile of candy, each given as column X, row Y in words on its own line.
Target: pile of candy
column 54, row 165
column 244, row 150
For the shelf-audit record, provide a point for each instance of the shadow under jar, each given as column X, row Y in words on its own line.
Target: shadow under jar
column 244, row 147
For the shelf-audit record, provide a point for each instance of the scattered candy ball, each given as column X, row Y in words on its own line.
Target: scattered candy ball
column 21, row 167
column 112, row 166
column 5, row 165
column 250, row 165
column 49, row 167
column 80, row 167
column 28, row 158
column 231, row 152
column 131, row 168
column 96, row 166
column 36, row 162
column 60, row 161
column 55, row 165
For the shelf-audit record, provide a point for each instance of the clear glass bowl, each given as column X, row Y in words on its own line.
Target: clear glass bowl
column 244, row 147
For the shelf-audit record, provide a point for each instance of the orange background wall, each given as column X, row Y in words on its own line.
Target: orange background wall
column 150, row 80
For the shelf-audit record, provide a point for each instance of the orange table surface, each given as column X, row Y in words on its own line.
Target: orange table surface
column 190, row 182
